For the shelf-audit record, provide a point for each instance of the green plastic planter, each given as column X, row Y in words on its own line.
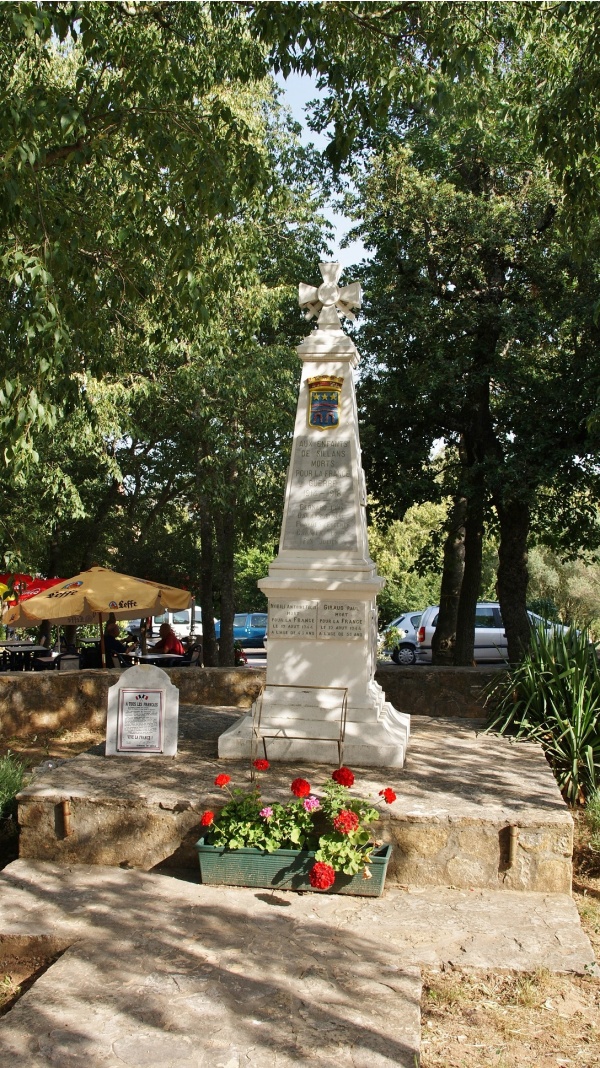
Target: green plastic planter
column 285, row 869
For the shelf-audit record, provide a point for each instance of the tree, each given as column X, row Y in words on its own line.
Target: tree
column 373, row 59
column 477, row 315
column 397, row 549
column 125, row 149
column 180, row 437
column 565, row 589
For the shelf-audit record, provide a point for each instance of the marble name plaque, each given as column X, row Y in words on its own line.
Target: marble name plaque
column 322, row 510
column 341, row 620
column 140, row 721
column 293, row 619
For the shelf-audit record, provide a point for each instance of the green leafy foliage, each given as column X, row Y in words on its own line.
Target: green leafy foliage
column 240, row 824
column 553, row 697
column 12, row 773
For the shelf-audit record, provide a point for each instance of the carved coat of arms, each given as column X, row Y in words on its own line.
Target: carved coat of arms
column 324, row 402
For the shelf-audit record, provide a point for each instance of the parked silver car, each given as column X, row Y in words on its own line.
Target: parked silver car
column 405, row 651
column 490, row 636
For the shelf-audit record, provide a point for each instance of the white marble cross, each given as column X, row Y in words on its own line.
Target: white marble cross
column 327, row 300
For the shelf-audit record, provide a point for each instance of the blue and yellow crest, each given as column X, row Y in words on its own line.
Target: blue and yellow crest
column 324, row 402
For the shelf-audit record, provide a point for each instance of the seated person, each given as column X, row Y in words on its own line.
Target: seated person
column 169, row 642
column 112, row 642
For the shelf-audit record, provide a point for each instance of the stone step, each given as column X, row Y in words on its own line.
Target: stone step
column 163, row 972
column 458, row 797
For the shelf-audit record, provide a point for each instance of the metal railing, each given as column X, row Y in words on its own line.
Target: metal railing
column 280, row 733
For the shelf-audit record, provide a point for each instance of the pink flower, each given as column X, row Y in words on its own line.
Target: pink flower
column 310, row 803
column 266, row 812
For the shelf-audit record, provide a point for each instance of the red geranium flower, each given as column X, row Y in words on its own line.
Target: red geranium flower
column 388, row 795
column 300, row 787
column 343, row 776
column 346, row 821
column 206, row 819
column 222, row 780
column 261, row 765
column 321, row 876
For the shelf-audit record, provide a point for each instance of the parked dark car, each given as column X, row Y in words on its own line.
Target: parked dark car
column 249, row 628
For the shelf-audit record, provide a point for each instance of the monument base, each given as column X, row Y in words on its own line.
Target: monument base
column 303, row 723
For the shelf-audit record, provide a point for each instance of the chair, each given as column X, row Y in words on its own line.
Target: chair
column 191, row 658
column 119, row 661
column 68, row 662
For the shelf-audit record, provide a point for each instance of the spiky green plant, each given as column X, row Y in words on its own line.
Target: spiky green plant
column 553, row 697
column 12, row 772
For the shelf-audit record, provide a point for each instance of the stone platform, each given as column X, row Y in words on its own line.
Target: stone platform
column 157, row 971
column 458, row 797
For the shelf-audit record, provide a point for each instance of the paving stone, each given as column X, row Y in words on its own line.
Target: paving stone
column 434, row 925
column 165, row 972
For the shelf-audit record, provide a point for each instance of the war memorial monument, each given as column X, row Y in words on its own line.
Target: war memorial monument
column 321, row 701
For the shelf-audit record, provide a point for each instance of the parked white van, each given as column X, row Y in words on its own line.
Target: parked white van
column 181, row 622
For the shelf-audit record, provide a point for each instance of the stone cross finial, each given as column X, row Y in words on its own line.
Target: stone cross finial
column 327, row 300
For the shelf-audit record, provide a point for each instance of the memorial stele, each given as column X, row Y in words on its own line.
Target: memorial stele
column 322, row 586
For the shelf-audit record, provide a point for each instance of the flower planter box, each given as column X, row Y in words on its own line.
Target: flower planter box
column 285, row 869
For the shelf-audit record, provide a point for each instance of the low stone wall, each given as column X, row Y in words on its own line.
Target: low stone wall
column 437, row 691
column 49, row 700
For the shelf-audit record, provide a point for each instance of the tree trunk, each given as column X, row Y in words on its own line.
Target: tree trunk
column 225, row 529
column 207, row 602
column 444, row 638
column 96, row 528
column 513, row 575
column 464, row 650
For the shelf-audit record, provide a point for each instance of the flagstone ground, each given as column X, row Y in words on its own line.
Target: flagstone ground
column 471, row 1016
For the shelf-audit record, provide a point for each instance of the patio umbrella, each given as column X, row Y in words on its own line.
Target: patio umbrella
column 27, row 587
column 92, row 594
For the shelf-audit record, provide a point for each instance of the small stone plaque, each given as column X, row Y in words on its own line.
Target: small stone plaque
column 143, row 713
column 293, row 619
column 342, row 620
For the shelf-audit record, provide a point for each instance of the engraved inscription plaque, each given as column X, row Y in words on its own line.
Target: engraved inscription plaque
column 322, row 511
column 140, row 721
column 293, row 619
column 342, row 620
column 317, row 619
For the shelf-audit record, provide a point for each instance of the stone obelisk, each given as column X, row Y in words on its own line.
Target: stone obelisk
column 322, row 586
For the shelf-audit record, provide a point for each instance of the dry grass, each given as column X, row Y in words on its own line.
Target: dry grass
column 526, row 1021
column 538, row 1020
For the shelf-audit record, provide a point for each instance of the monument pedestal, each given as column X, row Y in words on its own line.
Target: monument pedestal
column 321, row 701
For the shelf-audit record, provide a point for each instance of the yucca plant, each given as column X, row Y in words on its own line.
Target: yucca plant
column 553, row 697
